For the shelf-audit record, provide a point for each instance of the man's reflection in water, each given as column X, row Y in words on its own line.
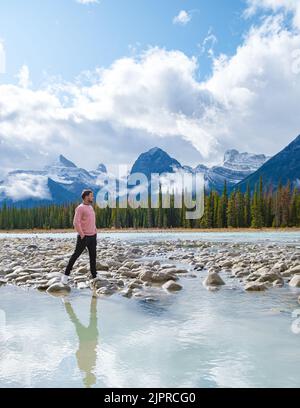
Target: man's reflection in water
column 88, row 341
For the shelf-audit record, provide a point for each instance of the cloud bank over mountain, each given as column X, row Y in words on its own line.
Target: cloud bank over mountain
column 250, row 102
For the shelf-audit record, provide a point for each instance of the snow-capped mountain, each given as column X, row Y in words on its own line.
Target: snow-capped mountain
column 155, row 160
column 235, row 167
column 62, row 181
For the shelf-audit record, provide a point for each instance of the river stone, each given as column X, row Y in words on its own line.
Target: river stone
column 175, row 270
column 54, row 280
column 42, row 287
column 269, row 277
column 127, row 292
column 129, row 273
column 295, row 281
column 22, row 279
column 255, row 287
column 172, row 286
column 99, row 283
column 280, row 266
column 157, row 277
column 278, row 283
column 82, row 270
column 295, row 270
column 12, row 275
column 167, row 266
column 58, row 288
column 134, row 285
column 108, row 291
column 102, row 266
column 213, row 279
column 53, row 275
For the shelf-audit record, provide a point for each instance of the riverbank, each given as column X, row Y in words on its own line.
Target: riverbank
column 154, row 266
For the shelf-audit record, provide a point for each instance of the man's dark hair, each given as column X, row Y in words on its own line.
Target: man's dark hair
column 85, row 193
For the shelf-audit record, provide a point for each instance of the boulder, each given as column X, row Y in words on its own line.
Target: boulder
column 99, row 283
column 255, row 287
column 172, row 286
column 213, row 279
column 58, row 289
column 295, row 281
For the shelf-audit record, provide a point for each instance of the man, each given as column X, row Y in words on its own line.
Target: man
column 85, row 225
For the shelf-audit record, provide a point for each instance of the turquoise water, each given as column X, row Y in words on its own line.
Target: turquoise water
column 194, row 338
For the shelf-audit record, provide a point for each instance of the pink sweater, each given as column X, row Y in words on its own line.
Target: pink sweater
column 85, row 220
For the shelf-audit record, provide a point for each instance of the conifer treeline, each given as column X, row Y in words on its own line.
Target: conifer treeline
column 234, row 210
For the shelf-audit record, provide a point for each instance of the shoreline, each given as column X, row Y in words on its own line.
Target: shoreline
column 153, row 230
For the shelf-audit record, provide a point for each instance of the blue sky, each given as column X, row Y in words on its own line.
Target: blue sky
column 193, row 77
column 63, row 37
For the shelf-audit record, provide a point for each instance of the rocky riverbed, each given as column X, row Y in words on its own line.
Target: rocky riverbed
column 148, row 270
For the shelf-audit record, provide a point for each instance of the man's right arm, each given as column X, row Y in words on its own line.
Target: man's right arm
column 77, row 222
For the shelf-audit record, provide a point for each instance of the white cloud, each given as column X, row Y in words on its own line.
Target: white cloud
column 24, row 186
column 24, row 77
column 209, row 43
column 182, row 18
column 87, row 1
column 292, row 6
column 250, row 102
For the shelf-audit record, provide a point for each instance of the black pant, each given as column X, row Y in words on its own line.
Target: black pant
column 91, row 243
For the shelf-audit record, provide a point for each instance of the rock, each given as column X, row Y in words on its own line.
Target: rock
column 175, row 270
column 102, row 266
column 255, row 287
column 243, row 273
column 287, row 274
column 157, row 277
column 99, row 283
column 295, row 270
column 82, row 270
column 53, row 275
column 278, row 283
column 295, row 281
column 167, row 266
column 32, row 246
column 134, row 285
column 54, row 280
column 213, row 279
column 227, row 264
column 59, row 289
column 172, row 286
column 269, row 277
column 42, row 287
column 280, row 266
column 129, row 273
column 126, row 292
column 108, row 291
column 22, row 279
